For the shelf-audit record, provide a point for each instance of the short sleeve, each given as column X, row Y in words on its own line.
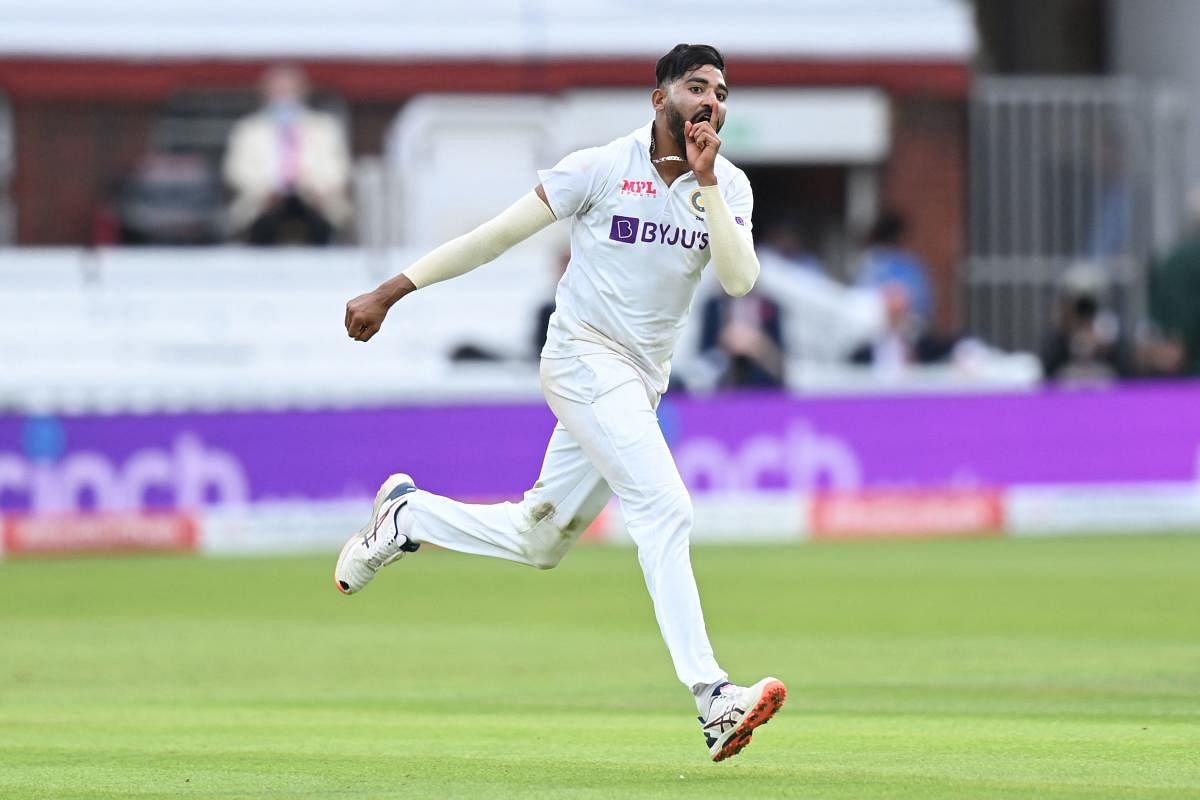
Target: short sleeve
column 740, row 199
column 570, row 184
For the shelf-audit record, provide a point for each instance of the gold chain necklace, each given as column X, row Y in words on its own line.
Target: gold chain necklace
column 654, row 160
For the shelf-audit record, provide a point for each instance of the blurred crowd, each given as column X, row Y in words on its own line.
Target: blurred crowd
column 743, row 337
column 1088, row 342
column 282, row 176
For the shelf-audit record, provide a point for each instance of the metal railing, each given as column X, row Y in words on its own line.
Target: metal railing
column 1064, row 172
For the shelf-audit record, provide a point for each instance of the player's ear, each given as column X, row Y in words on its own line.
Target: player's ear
column 658, row 98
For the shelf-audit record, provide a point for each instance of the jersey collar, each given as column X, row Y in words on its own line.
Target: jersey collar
column 642, row 137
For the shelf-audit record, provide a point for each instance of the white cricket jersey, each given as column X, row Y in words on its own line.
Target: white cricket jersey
column 637, row 250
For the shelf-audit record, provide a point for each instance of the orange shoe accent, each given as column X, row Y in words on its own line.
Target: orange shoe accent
column 353, row 540
column 774, row 693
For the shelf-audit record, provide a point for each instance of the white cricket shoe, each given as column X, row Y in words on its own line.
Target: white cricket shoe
column 380, row 542
column 736, row 711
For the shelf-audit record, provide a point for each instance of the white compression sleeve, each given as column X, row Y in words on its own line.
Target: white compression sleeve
column 732, row 247
column 459, row 256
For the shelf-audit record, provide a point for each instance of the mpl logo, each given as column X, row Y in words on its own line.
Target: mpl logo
column 638, row 188
column 631, row 230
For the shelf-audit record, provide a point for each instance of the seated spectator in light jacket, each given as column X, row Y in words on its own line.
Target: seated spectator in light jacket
column 288, row 166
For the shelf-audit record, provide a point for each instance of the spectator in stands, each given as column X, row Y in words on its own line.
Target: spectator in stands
column 288, row 166
column 1175, row 305
column 885, row 261
column 1084, row 344
column 905, row 339
column 783, row 244
column 743, row 338
column 1111, row 208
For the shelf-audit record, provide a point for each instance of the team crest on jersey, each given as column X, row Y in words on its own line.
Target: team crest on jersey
column 638, row 188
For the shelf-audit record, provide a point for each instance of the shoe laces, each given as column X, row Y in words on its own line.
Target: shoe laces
column 723, row 711
column 382, row 558
column 387, row 549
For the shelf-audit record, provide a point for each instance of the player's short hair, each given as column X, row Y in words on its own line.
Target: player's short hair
column 684, row 58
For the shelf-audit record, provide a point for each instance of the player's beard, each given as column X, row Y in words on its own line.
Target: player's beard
column 675, row 124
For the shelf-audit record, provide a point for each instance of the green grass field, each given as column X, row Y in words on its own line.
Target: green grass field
column 936, row 669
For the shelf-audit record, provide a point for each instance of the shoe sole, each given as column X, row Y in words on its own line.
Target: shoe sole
column 388, row 486
column 769, row 702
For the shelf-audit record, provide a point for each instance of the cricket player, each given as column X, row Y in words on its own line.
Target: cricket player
column 648, row 212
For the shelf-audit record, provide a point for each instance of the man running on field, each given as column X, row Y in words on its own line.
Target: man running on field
column 648, row 212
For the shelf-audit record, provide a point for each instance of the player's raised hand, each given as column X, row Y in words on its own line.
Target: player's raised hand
column 364, row 315
column 702, row 144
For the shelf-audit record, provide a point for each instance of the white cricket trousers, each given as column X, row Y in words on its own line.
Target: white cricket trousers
column 607, row 436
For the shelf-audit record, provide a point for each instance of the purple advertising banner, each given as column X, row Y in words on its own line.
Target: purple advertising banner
column 1129, row 435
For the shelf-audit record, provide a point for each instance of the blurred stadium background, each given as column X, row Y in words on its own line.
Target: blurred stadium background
column 165, row 386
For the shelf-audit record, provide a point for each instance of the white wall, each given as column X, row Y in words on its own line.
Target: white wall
column 909, row 29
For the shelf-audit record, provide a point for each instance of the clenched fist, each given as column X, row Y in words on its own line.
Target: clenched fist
column 364, row 315
column 702, row 144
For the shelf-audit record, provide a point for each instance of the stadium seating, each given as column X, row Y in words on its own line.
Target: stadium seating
column 212, row 328
column 217, row 328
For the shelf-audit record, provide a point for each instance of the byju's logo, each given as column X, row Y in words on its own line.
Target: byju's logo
column 632, row 230
column 624, row 229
